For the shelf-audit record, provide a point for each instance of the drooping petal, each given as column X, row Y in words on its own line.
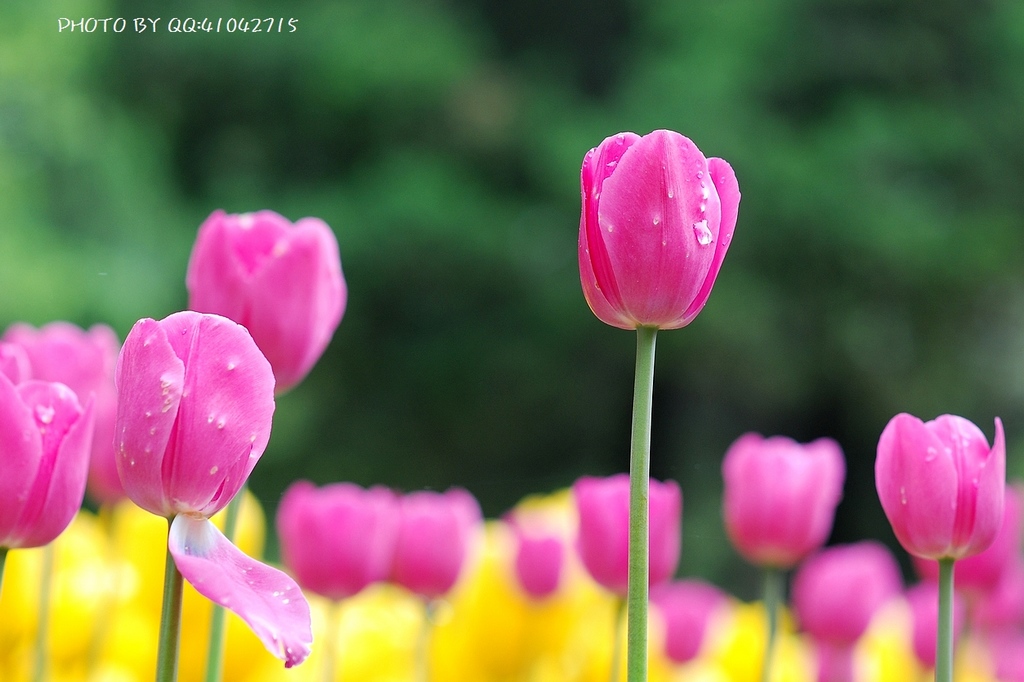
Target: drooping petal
column 150, row 378
column 268, row 600
column 224, row 419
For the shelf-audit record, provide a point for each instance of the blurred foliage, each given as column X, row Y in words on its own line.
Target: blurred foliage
column 879, row 146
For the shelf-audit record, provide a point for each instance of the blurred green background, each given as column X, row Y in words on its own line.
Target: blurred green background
column 877, row 264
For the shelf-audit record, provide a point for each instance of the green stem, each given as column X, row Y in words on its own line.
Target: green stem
column 639, row 484
column 620, row 610
column 45, row 583
column 3, row 560
column 774, row 583
column 170, row 620
column 423, row 645
column 215, row 649
column 944, row 645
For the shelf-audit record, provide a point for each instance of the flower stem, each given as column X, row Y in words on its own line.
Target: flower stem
column 170, row 620
column 3, row 560
column 639, row 484
column 773, row 587
column 423, row 644
column 215, row 649
column 944, row 645
column 45, row 583
column 330, row 641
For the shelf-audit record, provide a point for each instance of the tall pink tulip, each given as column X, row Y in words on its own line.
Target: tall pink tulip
column 435, row 533
column 941, row 485
column 83, row 360
column 603, row 541
column 282, row 281
column 45, row 436
column 195, row 404
column 780, row 497
column 540, row 554
column 656, row 222
column 337, row 539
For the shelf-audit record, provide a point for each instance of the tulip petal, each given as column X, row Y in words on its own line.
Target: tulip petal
column 268, row 600
column 60, row 484
column 295, row 317
column 728, row 189
column 916, row 483
column 212, row 256
column 22, row 448
column 223, row 426
column 150, row 378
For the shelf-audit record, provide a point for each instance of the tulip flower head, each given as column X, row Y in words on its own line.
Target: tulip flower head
column 435, row 531
column 195, row 403
column 687, row 607
column 941, row 485
column 337, row 539
column 656, row 222
column 540, row 554
column 282, row 281
column 45, row 435
column 837, row 591
column 780, row 497
column 603, row 540
column 84, row 361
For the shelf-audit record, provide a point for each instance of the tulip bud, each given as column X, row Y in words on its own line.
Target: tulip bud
column 337, row 539
column 687, row 607
column 84, row 361
column 45, row 436
column 434, row 535
column 603, row 541
column 282, row 282
column 941, row 485
column 780, row 497
column 656, row 222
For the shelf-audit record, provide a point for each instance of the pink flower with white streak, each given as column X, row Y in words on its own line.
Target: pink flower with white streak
column 195, row 404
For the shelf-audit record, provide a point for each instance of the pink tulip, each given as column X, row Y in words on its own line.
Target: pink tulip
column 603, row 541
column 14, row 363
column 837, row 591
column 84, row 361
column 337, row 539
column 539, row 555
column 434, row 535
column 688, row 607
column 980, row 574
column 44, row 441
column 195, row 404
column 656, row 222
column 780, row 497
column 283, row 282
column 940, row 484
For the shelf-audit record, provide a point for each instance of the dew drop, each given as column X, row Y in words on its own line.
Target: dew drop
column 611, row 228
column 44, row 413
column 671, row 193
column 903, row 495
column 232, row 365
column 611, row 164
column 703, row 234
column 657, row 220
column 700, row 174
column 930, row 454
column 152, row 431
column 148, row 414
column 221, row 422
column 213, row 469
column 210, row 418
column 285, row 601
column 131, row 462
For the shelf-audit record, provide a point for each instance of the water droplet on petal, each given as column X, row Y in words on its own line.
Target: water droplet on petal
column 700, row 174
column 44, row 413
column 221, row 422
column 930, row 454
column 657, row 220
column 703, row 234
column 213, row 469
column 232, row 365
column 210, row 418
column 671, row 193
column 903, row 495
